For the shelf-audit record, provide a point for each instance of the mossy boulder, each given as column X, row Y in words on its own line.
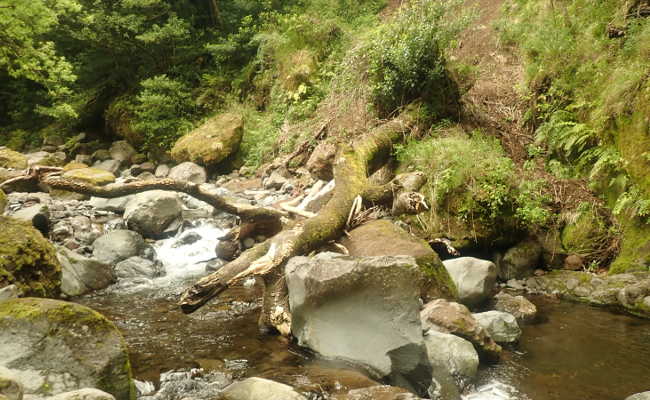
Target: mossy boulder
column 54, row 347
column 635, row 249
column 93, row 176
column 586, row 235
column 212, row 142
column 28, row 260
column 384, row 238
column 119, row 121
column 12, row 159
column 74, row 165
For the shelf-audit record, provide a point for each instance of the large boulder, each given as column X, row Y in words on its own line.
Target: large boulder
column 455, row 318
column 338, row 302
column 520, row 261
column 260, row 389
column 188, row 172
column 12, row 159
column 92, row 176
column 137, row 267
column 475, row 279
column 117, row 245
column 150, row 213
column 81, row 274
column 45, row 158
column 501, row 326
column 384, row 238
column 212, row 142
column 53, row 347
column 453, row 353
column 28, row 260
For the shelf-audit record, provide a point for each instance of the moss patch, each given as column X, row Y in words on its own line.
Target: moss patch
column 3, row 201
column 28, row 260
column 12, row 159
column 93, row 176
column 212, row 142
column 438, row 281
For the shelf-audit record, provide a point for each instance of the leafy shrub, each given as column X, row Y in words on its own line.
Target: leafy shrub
column 163, row 111
column 406, row 56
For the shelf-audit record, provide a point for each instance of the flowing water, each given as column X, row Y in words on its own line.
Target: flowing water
column 574, row 352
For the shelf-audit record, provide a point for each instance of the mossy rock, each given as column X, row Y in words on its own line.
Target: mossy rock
column 3, row 201
column 93, row 176
column 634, row 254
column 74, row 165
column 584, row 236
column 212, row 142
column 12, row 159
column 56, row 347
column 28, row 260
column 384, row 238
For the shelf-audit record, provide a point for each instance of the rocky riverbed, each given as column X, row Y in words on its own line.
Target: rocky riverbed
column 377, row 316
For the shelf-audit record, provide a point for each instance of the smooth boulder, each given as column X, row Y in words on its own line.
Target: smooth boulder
column 453, row 353
column 475, row 279
column 150, row 213
column 640, row 396
column 501, row 326
column 28, row 260
column 81, row 275
column 188, row 172
column 54, row 347
column 212, row 142
column 137, row 267
column 260, row 389
column 117, row 245
column 338, row 302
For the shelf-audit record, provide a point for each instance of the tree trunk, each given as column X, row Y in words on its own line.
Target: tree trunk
column 351, row 170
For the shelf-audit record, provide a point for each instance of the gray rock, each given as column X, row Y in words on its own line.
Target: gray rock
column 151, row 213
column 117, row 245
column 112, row 166
column 520, row 261
column 137, row 267
column 121, row 151
column 85, row 231
column 449, row 317
column 338, row 302
column 275, row 181
column 83, row 394
column 81, row 275
column 116, row 205
column 640, row 396
column 9, row 292
column 501, row 326
column 248, row 243
column 379, row 393
column 38, row 215
column 83, row 159
column 474, row 278
column 53, row 347
column 519, row 306
column 227, row 249
column 162, row 171
column 10, row 388
column 453, row 353
column 188, row 172
column 260, row 389
column 187, row 239
column 146, row 176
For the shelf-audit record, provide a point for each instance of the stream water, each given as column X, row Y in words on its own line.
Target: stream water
column 574, row 352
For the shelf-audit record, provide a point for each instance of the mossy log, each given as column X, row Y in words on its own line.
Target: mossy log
column 352, row 167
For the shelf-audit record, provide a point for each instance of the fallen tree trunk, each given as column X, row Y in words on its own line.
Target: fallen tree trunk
column 269, row 217
column 351, row 171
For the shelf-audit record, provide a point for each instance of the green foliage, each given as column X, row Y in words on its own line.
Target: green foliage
column 163, row 110
column 473, row 178
column 406, row 56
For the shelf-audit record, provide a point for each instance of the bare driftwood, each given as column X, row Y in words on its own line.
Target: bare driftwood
column 351, row 170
